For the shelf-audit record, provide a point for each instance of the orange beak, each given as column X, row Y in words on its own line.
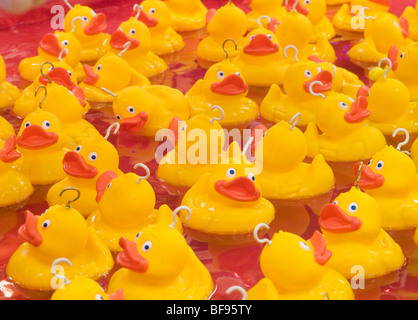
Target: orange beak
column 29, row 231
column 299, row 8
column 368, row 178
column 145, row 19
column 49, row 43
column 325, row 77
column 358, row 111
column 261, row 45
column 239, row 189
column 321, row 254
column 91, row 77
column 119, row 39
column 333, row 219
column 134, row 124
column 393, row 56
column 230, row 86
column 102, row 183
column 97, row 24
column 130, row 258
column 35, row 137
column 9, row 153
column 257, row 137
column 76, row 166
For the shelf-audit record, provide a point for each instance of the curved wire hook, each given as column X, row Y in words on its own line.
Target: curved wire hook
column 401, row 144
column 240, row 290
column 177, row 210
column 359, row 172
column 314, row 93
column 114, row 95
column 295, row 5
column 226, row 51
column 46, row 94
column 73, row 200
column 68, row 4
column 126, row 47
column 389, row 62
column 136, row 6
column 215, row 118
column 83, row 22
column 148, row 172
column 291, row 47
column 263, row 17
column 294, row 121
column 56, row 261
column 247, row 145
column 42, row 70
column 115, row 125
column 61, row 53
column 255, row 233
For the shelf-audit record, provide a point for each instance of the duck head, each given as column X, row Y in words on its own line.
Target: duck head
column 133, row 33
column 337, row 74
column 261, row 42
column 293, row 263
column 314, row 10
column 228, row 22
column 49, row 74
column 404, row 60
column 84, row 22
column 154, row 14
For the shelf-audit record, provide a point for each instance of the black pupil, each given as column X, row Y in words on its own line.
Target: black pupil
column 45, row 224
column 146, row 247
column 93, row 157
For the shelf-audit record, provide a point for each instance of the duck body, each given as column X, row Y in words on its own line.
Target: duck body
column 272, row 9
column 316, row 13
column 6, row 129
column 187, row 15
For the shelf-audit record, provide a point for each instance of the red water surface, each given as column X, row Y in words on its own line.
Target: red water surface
column 228, row 261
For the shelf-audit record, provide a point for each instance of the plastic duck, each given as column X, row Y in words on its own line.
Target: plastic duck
column 228, row 22
column 132, row 41
column 41, row 142
column 8, row 91
column 159, row 265
column 353, row 232
column 149, row 109
column 223, row 85
column 382, row 31
column 114, row 220
column 278, row 105
column 296, row 29
column 230, row 187
column 88, row 27
column 156, row 16
column 54, row 47
column 285, row 176
column 336, row 2
column 177, row 170
column 261, row 59
column 14, row 187
column 102, row 75
column 83, row 166
column 60, row 231
column 259, row 8
column 316, row 13
column 345, row 136
column 6, row 129
column 414, row 152
column 295, row 269
column 187, row 15
column 411, row 14
column 83, row 288
column 391, row 179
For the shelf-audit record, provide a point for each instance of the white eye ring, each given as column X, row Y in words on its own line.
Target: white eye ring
column 379, row 165
column 220, row 75
column 46, row 124
column 152, row 11
column 98, row 297
column 238, row 74
column 270, row 36
column 352, row 207
column 78, row 149
column 304, row 246
column 132, row 31
column 93, row 156
column 27, row 124
column 335, row 202
column 343, row 105
column 46, row 224
column 230, row 173
column 138, row 235
column 146, row 246
column 308, row 74
column 131, row 109
column 252, row 177
column 65, row 43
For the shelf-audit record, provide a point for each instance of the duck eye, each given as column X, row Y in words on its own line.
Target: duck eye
column 308, row 74
column 138, row 235
column 307, row 1
column 131, row 109
column 220, row 75
column 151, row 11
column 238, row 74
column 146, row 246
column 99, row 297
column 27, row 124
column 99, row 67
column 85, row 18
column 184, row 128
column 402, row 55
column 270, row 36
column 118, row 117
column 70, row 73
column 93, row 156
column 109, row 185
column 46, row 125
column 46, row 224
column 252, row 37
column 343, row 105
column 335, row 202
column 78, row 149
column 370, row 162
column 251, row 176
column 65, row 43
column 379, row 165
column 230, row 173
column 352, row 207
column 132, row 31
column 304, row 246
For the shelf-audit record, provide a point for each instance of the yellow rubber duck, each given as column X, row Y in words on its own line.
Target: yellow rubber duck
column 223, row 85
column 83, row 166
column 353, row 232
column 6, row 129
column 228, row 200
column 156, row 16
column 147, row 110
column 228, row 22
column 41, row 141
column 350, row 16
column 296, row 29
column 187, row 15
column 414, row 152
column 391, row 179
column 344, row 135
column 176, row 168
column 382, row 31
column 284, row 175
column 132, row 41
column 159, row 265
column 60, row 232
column 295, row 269
column 83, row 288
column 89, row 28
column 8, row 92
column 112, row 73
column 316, row 13
column 259, row 8
column 14, row 187
column 336, row 2
column 261, row 59
column 278, row 105
column 411, row 14
column 54, row 47
column 115, row 220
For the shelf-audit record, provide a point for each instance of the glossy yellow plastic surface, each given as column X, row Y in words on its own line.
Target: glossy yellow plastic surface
column 83, row 166
column 111, row 73
column 187, row 15
column 272, row 9
column 391, row 179
column 149, row 109
column 87, row 26
column 224, row 85
column 353, row 232
column 41, row 141
column 160, row 265
column 176, row 168
column 340, row 140
column 284, row 175
column 60, row 232
column 411, row 14
column 156, row 16
column 6, row 129
column 317, row 16
column 8, row 91
column 414, row 152
column 291, row 271
column 229, row 22
column 139, row 54
column 228, row 200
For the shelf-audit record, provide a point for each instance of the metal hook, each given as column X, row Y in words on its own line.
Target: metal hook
column 247, row 145
column 401, row 144
column 62, row 52
column 66, row 280
column 43, row 99
column 177, row 210
column 389, row 62
column 255, row 233
column 314, row 93
column 114, row 95
column 115, row 125
column 42, row 70
column 240, row 290
column 294, row 48
column 215, row 118
column 73, row 200
column 263, row 17
column 136, row 6
column 223, row 47
column 294, row 121
column 148, row 172
column 83, row 22
column 126, row 47
column 68, row 4
column 359, row 172
column 295, row 5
